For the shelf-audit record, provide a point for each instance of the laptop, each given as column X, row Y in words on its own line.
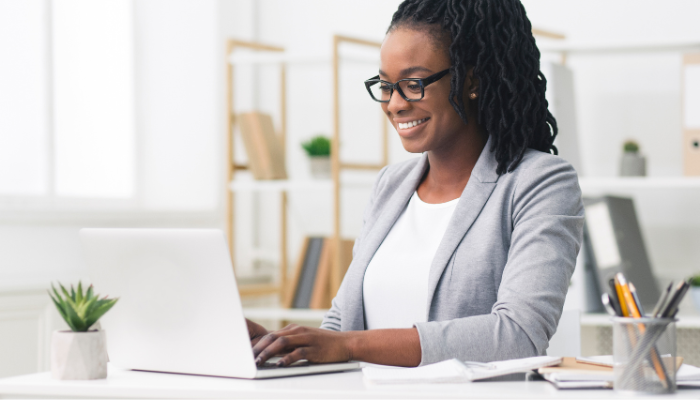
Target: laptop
column 179, row 310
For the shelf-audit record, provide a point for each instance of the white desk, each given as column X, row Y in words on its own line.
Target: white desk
column 132, row 384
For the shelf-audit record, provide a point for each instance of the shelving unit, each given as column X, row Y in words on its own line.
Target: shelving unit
column 272, row 55
column 232, row 167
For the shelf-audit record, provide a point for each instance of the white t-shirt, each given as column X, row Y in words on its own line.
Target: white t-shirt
column 395, row 287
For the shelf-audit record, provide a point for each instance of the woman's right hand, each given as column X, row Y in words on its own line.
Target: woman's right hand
column 256, row 332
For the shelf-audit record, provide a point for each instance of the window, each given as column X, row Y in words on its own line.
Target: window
column 67, row 126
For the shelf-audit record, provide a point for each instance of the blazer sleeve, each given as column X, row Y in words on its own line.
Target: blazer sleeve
column 333, row 317
column 547, row 231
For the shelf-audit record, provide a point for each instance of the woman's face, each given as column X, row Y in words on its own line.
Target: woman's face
column 408, row 53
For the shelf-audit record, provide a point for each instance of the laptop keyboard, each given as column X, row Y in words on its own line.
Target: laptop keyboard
column 273, row 364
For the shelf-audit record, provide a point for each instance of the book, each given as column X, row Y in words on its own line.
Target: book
column 264, row 149
column 321, row 292
column 307, row 277
column 455, row 371
column 310, row 286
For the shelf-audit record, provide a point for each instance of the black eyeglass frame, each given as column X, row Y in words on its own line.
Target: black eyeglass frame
column 423, row 82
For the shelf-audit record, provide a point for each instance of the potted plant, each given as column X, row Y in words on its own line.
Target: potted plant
column 318, row 149
column 632, row 163
column 80, row 353
column 695, row 290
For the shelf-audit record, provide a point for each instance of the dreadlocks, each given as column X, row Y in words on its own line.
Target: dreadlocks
column 495, row 38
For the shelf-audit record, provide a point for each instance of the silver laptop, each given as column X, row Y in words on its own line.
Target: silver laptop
column 179, row 309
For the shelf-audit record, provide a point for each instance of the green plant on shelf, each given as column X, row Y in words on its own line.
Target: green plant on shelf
column 694, row 280
column 630, row 146
column 318, row 146
column 79, row 309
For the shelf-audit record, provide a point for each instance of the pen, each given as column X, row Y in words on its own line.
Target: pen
column 605, row 298
column 660, row 304
column 671, row 308
column 614, row 300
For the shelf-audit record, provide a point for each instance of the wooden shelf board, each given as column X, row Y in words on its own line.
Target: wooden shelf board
column 258, row 289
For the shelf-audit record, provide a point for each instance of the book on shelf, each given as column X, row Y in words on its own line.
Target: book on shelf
column 310, row 286
column 265, row 152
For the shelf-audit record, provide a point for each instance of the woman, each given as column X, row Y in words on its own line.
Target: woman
column 467, row 251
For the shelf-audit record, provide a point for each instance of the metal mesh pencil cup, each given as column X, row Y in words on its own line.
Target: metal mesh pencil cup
column 644, row 355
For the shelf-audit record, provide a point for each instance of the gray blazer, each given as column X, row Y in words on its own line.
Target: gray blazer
column 499, row 278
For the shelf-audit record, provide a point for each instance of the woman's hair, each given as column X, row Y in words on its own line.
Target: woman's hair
column 495, row 38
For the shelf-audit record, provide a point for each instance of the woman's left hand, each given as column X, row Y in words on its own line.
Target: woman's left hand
column 301, row 342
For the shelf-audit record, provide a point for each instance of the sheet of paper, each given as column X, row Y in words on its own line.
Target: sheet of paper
column 455, row 371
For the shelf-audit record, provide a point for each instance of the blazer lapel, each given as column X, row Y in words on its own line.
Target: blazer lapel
column 395, row 206
column 473, row 198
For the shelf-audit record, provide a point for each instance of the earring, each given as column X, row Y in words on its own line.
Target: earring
column 472, row 96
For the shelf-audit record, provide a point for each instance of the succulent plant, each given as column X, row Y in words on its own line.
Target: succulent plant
column 317, row 146
column 630, row 146
column 80, row 310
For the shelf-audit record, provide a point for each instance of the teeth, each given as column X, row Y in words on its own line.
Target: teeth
column 411, row 124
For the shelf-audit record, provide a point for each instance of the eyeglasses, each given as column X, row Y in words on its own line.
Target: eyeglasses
column 411, row 89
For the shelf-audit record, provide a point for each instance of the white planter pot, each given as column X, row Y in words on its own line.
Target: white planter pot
column 78, row 355
column 633, row 164
column 320, row 167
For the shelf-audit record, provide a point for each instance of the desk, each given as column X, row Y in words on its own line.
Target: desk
column 133, row 384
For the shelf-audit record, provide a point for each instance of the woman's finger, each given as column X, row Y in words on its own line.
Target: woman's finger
column 280, row 345
column 264, row 342
column 298, row 354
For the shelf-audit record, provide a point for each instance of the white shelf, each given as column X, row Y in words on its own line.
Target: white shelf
column 288, row 314
column 684, row 321
column 635, row 183
column 617, row 48
column 278, row 185
column 268, row 58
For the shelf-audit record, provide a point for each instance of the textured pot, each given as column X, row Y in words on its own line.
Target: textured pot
column 78, row 355
column 320, row 167
column 633, row 164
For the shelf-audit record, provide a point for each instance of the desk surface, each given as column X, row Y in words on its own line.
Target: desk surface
column 131, row 384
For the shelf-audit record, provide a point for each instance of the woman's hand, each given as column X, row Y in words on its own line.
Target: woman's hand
column 256, row 331
column 300, row 342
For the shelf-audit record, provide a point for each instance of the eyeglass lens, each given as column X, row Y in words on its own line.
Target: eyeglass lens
column 411, row 89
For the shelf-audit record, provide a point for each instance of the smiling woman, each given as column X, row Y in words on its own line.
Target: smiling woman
column 467, row 251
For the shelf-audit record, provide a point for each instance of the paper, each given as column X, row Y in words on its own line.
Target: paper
column 454, row 371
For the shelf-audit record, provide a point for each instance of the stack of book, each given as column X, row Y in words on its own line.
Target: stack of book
column 597, row 372
column 310, row 286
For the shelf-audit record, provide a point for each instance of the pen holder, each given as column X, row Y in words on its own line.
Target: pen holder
column 644, row 355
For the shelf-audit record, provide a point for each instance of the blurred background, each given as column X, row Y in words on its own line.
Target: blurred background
column 129, row 113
